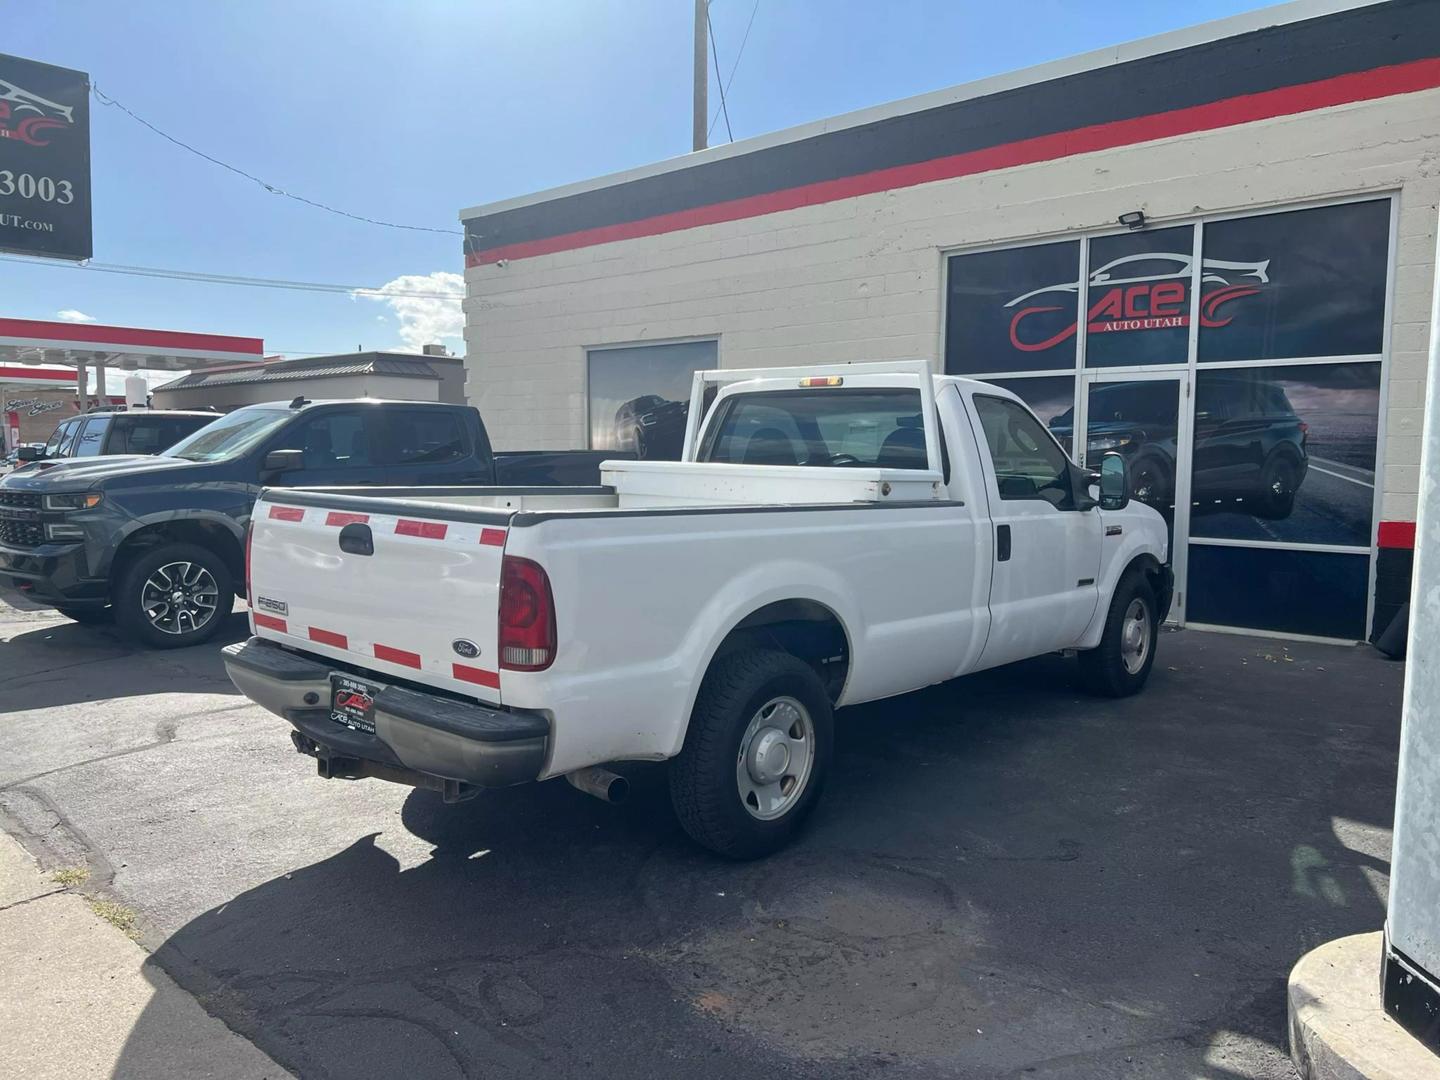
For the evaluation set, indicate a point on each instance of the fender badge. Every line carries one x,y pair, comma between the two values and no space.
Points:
278,607
466,648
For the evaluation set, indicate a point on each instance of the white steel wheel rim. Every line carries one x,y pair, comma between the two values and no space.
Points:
1135,636
777,753
179,597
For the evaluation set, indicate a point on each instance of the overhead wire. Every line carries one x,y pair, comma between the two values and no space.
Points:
274,189
236,279
716,57
725,89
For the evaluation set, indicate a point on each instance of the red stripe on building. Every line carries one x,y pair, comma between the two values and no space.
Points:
1397,534
493,537
329,637
426,530
397,656
478,676
160,340
287,513
337,519
1247,108
270,622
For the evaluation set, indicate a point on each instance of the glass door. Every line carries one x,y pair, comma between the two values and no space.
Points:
1141,416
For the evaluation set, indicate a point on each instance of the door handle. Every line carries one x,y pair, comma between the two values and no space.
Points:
1002,543
356,539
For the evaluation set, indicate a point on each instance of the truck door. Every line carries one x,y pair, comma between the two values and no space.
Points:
1047,550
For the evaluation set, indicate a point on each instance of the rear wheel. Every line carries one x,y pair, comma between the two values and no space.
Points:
755,755
1279,482
174,595
1120,665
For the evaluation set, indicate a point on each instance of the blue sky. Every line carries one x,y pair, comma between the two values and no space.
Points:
408,110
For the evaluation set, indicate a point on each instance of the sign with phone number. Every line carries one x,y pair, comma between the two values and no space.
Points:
44,160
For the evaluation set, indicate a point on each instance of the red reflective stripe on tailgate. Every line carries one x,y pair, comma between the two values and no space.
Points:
287,513
426,530
337,518
494,537
329,637
270,622
397,656
479,676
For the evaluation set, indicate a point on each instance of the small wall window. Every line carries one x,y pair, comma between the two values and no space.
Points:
640,396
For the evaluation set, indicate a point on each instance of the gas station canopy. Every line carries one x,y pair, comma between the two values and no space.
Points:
82,345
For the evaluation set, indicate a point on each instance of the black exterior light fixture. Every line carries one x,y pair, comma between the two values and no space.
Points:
1134,219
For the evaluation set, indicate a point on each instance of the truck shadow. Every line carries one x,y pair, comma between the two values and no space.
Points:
39,667
1005,878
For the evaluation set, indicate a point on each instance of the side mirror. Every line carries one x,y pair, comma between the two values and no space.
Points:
284,461
30,453
1114,482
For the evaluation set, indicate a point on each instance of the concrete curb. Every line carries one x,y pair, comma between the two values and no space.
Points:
78,998
1338,1028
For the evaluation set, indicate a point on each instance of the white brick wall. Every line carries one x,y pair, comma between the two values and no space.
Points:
860,279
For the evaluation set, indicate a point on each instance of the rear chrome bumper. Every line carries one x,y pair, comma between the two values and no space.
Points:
420,739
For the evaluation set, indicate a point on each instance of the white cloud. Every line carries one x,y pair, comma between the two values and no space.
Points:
71,315
432,317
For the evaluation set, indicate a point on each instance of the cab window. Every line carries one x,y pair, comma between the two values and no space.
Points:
62,443
1029,464
92,438
330,440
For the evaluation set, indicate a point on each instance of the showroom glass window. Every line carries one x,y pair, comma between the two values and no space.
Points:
1012,310
639,395
1280,346
1137,299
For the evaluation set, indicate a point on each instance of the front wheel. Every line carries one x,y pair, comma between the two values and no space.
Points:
755,756
1279,484
174,595
1120,665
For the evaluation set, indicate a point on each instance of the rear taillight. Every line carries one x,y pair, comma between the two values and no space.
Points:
249,536
527,616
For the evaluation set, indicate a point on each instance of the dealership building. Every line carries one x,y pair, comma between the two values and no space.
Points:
1211,251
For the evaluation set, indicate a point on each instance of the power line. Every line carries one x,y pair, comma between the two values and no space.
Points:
726,88
106,99
235,279
716,56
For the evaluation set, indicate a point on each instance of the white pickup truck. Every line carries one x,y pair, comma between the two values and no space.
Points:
832,535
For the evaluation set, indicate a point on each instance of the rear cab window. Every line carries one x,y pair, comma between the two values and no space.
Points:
851,428
426,436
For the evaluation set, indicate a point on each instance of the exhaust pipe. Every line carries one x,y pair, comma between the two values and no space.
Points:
602,783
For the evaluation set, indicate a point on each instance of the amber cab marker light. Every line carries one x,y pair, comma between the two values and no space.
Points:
822,380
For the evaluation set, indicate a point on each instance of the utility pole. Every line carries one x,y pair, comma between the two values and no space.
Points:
702,76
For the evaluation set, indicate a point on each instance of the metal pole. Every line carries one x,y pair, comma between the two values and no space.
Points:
1411,971
702,77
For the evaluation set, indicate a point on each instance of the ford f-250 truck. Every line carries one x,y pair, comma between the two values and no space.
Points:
157,541
831,536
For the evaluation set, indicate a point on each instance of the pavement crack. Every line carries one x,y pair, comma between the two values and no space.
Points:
31,899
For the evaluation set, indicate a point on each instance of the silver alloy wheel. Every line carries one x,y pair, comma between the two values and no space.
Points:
1135,636
777,752
179,597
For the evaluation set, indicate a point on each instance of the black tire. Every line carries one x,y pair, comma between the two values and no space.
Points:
704,782
1151,483
129,599
87,616
642,449
1279,482
1104,669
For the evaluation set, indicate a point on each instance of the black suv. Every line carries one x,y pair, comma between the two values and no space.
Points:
103,432
161,539
1250,446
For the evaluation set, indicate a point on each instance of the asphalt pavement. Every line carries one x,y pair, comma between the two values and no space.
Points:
1005,878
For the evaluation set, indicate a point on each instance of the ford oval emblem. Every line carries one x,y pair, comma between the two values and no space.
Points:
466,648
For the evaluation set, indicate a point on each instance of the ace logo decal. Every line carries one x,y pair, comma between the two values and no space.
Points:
1124,300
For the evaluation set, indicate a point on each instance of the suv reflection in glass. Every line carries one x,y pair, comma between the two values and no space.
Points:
651,426
1250,446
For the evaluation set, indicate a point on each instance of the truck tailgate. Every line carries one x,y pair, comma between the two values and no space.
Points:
363,581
